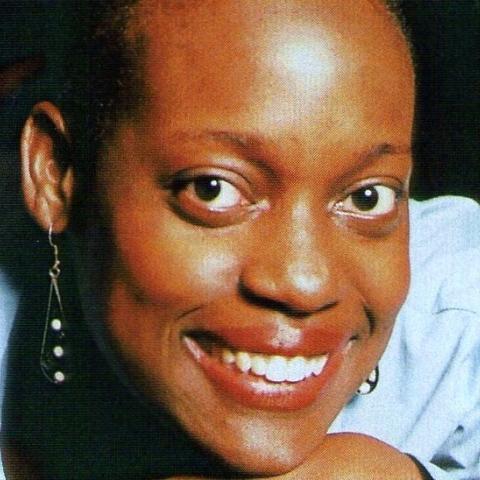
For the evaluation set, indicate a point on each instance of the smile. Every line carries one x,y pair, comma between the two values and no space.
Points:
262,377
275,368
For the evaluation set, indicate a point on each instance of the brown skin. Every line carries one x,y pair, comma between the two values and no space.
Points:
348,456
318,112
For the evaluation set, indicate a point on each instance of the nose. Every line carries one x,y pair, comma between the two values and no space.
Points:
293,269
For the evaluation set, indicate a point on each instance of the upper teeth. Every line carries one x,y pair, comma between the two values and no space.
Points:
276,368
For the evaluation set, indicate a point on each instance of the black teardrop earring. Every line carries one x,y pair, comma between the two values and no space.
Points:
54,350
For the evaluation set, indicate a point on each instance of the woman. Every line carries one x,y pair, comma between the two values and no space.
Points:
239,221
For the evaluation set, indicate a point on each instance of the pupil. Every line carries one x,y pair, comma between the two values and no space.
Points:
207,188
365,199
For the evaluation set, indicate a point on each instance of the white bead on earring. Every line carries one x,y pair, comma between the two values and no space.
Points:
369,385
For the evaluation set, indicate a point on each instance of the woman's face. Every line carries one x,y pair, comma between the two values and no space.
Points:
257,206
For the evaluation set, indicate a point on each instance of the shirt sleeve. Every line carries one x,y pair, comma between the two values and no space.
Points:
457,313
458,458
444,425
427,402
446,257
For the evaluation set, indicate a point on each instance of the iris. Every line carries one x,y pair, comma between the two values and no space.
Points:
365,198
207,188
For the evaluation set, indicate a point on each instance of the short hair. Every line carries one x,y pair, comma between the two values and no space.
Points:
395,7
100,76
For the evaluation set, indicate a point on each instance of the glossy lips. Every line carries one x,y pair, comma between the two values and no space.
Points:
264,377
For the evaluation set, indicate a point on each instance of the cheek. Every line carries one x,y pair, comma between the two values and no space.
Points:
158,257
384,276
167,261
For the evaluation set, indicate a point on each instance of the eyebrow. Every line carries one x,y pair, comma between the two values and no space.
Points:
254,142
388,149
238,141
248,140
378,151
229,139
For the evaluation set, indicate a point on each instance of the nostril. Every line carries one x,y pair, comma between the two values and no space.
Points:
287,308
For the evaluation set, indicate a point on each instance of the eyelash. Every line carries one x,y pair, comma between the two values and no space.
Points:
238,201
372,190
235,203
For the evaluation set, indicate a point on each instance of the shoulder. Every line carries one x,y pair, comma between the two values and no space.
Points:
433,354
443,226
435,347
428,390
440,319
445,255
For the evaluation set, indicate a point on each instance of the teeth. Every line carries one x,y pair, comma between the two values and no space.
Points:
297,369
259,365
317,364
227,356
243,361
275,368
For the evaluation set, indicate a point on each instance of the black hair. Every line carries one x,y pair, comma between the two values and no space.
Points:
101,75
395,7
100,83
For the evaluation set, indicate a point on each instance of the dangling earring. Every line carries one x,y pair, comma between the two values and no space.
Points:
52,356
369,385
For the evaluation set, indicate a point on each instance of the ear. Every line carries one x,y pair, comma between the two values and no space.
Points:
47,176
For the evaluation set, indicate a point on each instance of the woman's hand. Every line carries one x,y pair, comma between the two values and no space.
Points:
351,456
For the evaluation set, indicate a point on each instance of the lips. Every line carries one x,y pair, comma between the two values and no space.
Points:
268,368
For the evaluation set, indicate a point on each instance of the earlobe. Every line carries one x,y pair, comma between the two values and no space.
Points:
47,175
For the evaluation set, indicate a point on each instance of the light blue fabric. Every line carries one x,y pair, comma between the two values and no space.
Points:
427,402
8,305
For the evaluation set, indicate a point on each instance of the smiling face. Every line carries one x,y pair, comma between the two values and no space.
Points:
257,207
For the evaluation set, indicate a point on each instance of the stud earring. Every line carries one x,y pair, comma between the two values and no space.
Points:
369,385
53,352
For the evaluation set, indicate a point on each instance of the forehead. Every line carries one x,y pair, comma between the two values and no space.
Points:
220,57
196,24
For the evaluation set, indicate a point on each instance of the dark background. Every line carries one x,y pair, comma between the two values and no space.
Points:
446,39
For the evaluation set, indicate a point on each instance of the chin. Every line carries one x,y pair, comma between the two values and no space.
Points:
273,462
258,448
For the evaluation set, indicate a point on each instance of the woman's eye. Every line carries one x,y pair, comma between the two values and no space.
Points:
211,200
372,200
216,193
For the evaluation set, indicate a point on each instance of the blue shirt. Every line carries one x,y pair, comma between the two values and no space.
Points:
427,402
